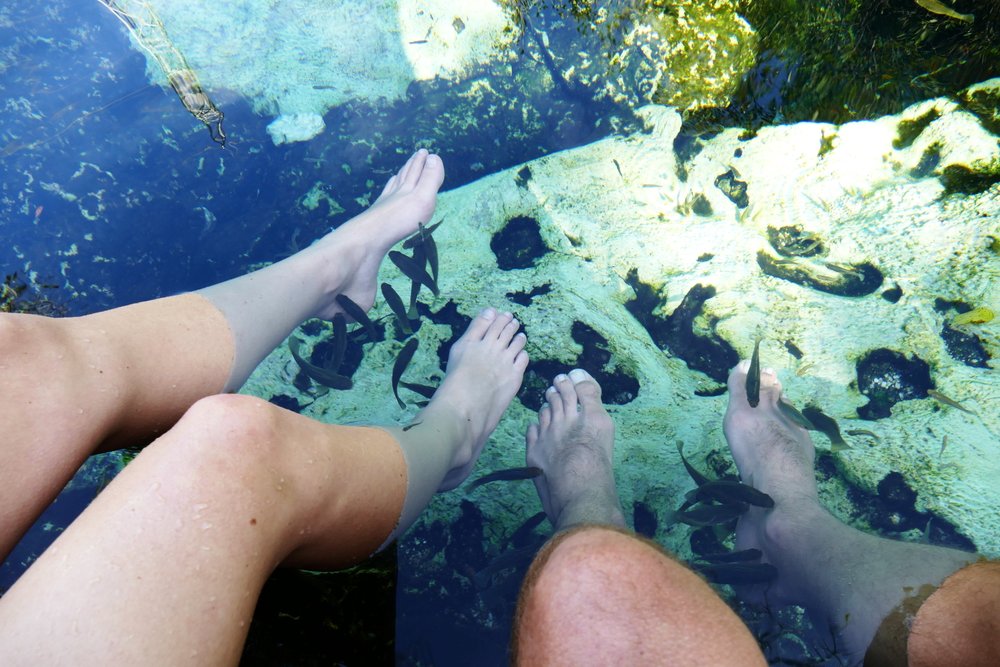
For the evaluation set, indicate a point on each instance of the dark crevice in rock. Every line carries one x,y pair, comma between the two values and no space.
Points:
840,279
701,206
525,298
522,176
965,347
709,354
618,387
960,179
733,188
448,315
887,377
908,130
893,294
929,161
519,244
985,105
793,241
686,147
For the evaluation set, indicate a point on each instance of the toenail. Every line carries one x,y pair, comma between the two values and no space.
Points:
561,378
550,389
578,375
488,313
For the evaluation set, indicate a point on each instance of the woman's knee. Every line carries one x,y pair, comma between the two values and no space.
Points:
240,429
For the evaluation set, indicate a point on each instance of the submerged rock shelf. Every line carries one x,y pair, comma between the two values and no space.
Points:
624,247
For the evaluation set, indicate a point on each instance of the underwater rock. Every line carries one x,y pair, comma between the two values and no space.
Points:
887,377
295,127
893,294
840,279
909,129
961,179
519,245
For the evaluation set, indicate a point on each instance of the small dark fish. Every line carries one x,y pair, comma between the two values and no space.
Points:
708,515
323,86
734,556
409,426
941,398
413,271
520,537
319,375
508,475
827,426
398,368
698,478
430,249
424,390
397,308
619,168
730,491
861,431
738,573
753,376
644,519
418,41
794,415
412,313
421,235
793,349
944,444
358,314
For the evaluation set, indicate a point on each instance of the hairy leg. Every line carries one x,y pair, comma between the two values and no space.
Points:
849,581
166,564
597,594
79,385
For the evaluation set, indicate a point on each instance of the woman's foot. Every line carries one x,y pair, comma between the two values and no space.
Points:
485,369
573,443
350,256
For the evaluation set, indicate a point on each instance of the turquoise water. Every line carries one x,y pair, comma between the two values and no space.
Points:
113,192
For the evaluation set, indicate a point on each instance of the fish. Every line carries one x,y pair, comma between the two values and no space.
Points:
793,414
698,478
322,376
941,398
430,249
505,561
506,475
737,573
398,368
793,349
734,556
936,7
827,426
420,236
708,515
980,315
730,491
418,41
357,314
411,425
520,537
424,390
753,376
861,431
397,308
413,271
944,443
619,168
412,313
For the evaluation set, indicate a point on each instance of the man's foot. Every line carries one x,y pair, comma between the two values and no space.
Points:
847,580
485,369
351,254
573,443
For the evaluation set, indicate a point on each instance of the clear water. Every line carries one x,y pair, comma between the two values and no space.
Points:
111,193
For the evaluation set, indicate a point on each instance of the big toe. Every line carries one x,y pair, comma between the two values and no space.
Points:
588,391
431,175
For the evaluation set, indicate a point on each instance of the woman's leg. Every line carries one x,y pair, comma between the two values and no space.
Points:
70,387
166,565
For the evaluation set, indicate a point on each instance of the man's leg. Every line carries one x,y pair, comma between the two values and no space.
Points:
597,594
165,566
847,580
70,387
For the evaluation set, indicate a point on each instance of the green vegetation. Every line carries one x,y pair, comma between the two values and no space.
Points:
18,296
